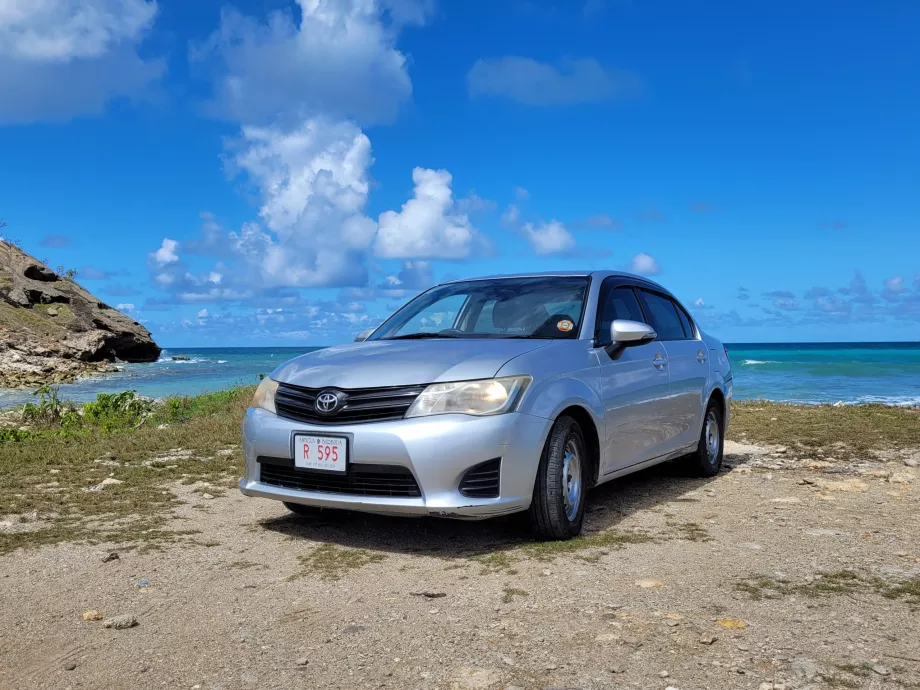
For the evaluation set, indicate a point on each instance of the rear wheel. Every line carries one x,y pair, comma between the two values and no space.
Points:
557,510
706,461
302,510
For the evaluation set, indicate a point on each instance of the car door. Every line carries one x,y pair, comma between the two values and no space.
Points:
688,363
635,385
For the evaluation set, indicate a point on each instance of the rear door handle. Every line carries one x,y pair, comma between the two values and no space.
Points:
660,362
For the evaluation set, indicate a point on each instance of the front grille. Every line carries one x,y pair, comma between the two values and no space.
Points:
358,480
482,481
360,404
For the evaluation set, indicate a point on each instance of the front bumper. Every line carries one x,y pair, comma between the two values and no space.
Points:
437,450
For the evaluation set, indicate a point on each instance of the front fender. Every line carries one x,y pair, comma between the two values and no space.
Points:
548,398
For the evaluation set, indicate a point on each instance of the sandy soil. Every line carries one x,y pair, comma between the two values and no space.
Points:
694,584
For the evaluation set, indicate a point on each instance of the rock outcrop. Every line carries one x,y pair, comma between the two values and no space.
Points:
52,330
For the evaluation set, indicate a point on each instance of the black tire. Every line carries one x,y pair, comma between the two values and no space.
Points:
704,462
552,517
302,510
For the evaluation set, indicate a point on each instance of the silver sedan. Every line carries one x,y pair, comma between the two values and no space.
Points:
492,396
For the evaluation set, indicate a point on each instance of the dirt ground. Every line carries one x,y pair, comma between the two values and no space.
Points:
779,573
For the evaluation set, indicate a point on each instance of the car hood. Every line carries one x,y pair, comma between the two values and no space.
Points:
380,363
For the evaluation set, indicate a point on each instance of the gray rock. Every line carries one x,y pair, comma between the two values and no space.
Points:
302,661
881,670
56,330
120,622
805,669
69,666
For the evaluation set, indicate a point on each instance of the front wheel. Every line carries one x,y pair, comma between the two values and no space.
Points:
706,461
557,510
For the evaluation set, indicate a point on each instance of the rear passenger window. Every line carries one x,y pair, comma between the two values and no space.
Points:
621,303
685,322
662,313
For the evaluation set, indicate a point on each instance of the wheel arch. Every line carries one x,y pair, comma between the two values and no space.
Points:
716,395
592,439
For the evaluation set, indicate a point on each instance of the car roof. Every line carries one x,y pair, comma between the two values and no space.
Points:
549,274
598,274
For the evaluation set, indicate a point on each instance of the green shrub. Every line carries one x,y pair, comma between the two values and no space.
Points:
49,410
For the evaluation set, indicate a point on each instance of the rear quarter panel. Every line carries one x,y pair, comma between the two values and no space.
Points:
720,373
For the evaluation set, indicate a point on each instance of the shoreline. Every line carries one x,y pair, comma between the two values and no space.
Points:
791,373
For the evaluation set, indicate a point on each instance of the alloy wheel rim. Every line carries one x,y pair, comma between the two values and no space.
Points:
712,437
571,480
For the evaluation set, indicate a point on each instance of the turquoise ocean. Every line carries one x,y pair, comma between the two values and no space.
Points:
849,373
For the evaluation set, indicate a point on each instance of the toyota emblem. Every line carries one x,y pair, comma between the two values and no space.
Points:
327,402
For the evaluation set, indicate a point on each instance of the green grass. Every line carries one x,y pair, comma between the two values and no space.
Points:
588,548
509,593
831,583
864,669
137,509
691,531
331,562
845,432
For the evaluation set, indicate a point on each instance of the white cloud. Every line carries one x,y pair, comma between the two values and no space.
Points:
521,194
645,264
61,30
203,314
512,215
895,285
428,226
340,61
166,254
313,181
414,276
126,306
475,204
537,83
63,58
548,238
699,303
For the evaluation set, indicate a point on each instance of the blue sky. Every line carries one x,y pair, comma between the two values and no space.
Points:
271,172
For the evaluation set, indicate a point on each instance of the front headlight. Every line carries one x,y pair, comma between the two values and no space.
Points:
485,397
264,398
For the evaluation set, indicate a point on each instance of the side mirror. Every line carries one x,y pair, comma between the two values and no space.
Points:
623,332
364,335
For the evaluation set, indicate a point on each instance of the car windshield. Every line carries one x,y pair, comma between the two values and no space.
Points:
538,307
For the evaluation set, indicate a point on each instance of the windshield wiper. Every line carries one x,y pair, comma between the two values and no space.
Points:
420,336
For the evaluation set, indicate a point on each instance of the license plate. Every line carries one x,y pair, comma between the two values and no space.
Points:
327,453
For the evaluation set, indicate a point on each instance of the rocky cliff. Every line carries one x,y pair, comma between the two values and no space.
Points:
52,330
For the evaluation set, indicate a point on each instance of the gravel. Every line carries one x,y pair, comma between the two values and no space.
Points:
246,596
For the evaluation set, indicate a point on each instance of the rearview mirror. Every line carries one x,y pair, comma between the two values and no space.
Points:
623,332
364,335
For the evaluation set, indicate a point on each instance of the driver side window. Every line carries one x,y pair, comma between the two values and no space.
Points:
621,303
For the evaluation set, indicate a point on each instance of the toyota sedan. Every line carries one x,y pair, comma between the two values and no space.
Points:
494,396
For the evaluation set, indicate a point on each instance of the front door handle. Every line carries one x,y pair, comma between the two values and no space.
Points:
701,357
660,362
